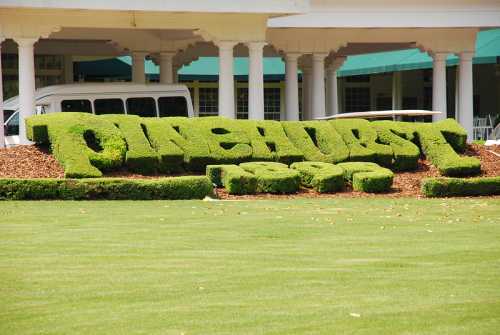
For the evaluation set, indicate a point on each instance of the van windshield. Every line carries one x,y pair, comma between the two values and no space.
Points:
11,126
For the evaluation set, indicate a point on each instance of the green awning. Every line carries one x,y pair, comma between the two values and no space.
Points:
487,51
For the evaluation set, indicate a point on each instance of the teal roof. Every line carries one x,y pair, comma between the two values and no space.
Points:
487,51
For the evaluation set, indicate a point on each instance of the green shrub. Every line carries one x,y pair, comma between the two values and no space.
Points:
227,142
233,178
406,154
273,177
453,132
189,187
448,187
84,144
140,156
323,177
441,154
317,140
173,149
269,142
361,139
367,177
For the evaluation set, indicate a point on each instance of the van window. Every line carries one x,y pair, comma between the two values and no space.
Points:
145,107
108,106
173,106
82,106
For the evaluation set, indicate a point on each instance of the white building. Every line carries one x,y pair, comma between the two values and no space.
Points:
312,35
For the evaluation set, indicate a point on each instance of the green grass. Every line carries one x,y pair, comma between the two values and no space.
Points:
341,266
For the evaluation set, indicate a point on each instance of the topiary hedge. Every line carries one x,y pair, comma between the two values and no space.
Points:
323,177
441,153
140,156
448,187
273,177
189,187
317,140
233,178
367,177
269,142
86,144
394,134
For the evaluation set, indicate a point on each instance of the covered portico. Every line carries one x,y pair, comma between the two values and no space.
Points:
175,34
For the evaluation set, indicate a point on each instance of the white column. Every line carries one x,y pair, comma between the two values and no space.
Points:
466,98
2,135
332,95
166,67
397,90
226,79
318,103
291,87
138,74
175,73
439,85
255,80
68,69
26,83
306,92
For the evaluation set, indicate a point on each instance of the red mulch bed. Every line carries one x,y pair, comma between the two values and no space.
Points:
29,161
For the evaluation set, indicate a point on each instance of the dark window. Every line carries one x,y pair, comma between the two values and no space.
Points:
144,107
209,101
12,126
242,103
358,79
108,106
82,106
272,104
172,106
384,103
410,103
357,99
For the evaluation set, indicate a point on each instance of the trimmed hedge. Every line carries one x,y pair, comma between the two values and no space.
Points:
140,156
167,137
394,134
273,177
453,132
189,187
227,142
233,178
448,187
317,140
361,139
441,153
367,177
84,144
323,177
269,142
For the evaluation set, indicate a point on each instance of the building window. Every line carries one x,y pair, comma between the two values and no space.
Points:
242,103
410,103
209,101
357,99
358,79
144,107
108,106
81,106
384,103
172,106
272,104
428,98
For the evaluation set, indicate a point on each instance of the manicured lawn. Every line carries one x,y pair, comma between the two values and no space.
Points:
342,266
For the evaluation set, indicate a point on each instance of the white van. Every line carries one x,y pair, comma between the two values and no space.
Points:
152,100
